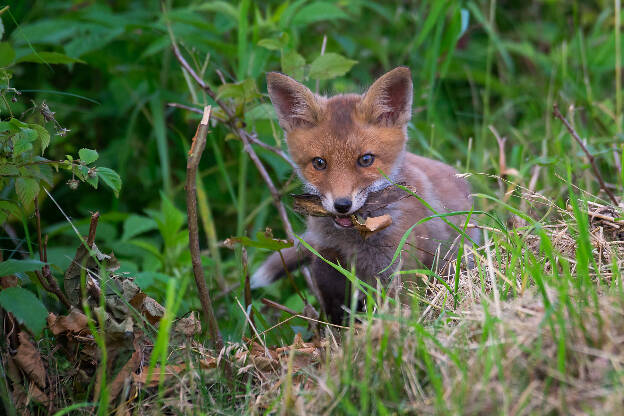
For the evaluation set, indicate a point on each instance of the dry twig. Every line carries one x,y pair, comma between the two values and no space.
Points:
590,157
197,148
44,276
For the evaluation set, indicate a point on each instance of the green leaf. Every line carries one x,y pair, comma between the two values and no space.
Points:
7,54
318,11
49,58
261,112
13,266
220,7
17,125
44,136
135,225
26,307
244,91
96,38
110,178
330,65
27,189
93,181
263,240
8,170
275,44
172,217
293,64
87,155
22,141
8,209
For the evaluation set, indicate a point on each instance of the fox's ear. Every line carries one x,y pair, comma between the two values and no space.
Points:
294,103
389,100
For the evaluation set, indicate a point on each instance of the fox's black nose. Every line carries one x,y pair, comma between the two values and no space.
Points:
342,205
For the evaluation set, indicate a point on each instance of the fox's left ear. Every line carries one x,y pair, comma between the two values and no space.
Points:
389,100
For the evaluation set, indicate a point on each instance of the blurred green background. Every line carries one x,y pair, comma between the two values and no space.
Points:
475,64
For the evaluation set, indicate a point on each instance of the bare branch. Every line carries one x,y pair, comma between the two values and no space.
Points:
44,275
590,157
197,148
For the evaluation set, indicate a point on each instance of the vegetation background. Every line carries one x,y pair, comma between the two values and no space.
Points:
482,70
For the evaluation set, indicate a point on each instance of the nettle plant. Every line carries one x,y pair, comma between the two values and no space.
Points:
24,139
25,173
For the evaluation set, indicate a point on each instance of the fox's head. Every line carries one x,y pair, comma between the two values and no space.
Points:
341,143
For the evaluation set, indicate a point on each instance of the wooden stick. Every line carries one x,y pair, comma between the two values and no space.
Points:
44,275
590,157
197,148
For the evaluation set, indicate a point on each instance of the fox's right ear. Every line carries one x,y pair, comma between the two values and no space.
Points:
294,103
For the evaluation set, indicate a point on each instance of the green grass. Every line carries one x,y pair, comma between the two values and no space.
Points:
534,328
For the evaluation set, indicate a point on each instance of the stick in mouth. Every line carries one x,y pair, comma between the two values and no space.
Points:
310,205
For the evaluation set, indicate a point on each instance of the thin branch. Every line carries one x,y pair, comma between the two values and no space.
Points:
590,157
44,275
252,137
92,228
197,148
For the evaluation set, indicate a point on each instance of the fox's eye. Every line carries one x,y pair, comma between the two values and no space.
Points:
366,160
319,163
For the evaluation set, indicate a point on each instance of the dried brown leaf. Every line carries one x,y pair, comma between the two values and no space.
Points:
29,360
74,322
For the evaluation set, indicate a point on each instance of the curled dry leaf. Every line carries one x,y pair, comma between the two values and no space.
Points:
29,360
188,326
371,225
74,322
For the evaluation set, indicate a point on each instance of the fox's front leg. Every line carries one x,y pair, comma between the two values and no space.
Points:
273,267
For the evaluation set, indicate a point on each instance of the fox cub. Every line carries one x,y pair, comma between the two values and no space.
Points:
340,144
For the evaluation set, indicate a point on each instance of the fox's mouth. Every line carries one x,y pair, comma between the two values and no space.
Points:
344,222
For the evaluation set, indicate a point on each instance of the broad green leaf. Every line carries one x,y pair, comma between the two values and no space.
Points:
87,155
7,210
318,11
244,91
41,172
96,38
49,58
27,189
8,170
22,141
6,126
262,241
17,125
7,54
93,181
330,65
270,44
13,266
261,112
172,217
44,136
110,178
137,224
26,307
293,64
275,44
